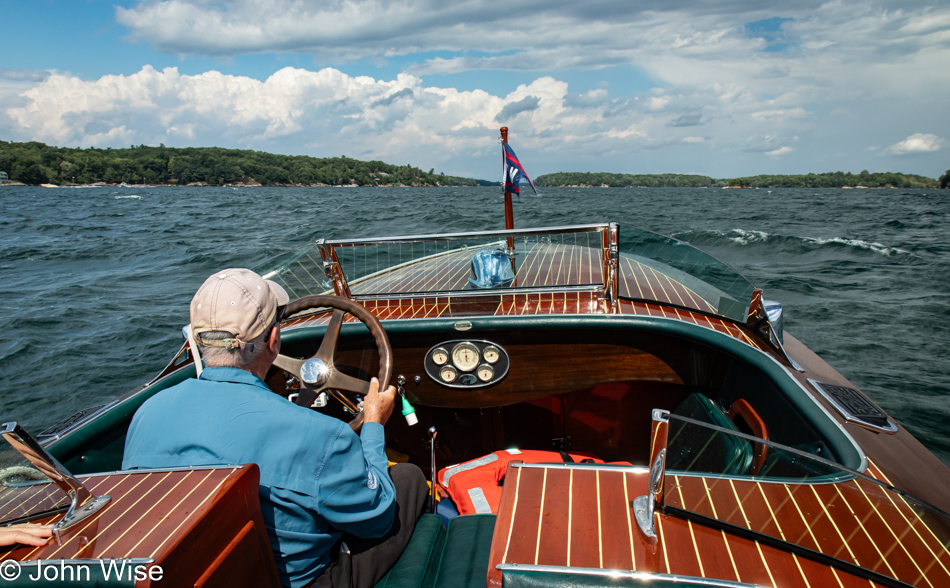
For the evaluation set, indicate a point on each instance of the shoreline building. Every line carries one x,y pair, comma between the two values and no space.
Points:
3,177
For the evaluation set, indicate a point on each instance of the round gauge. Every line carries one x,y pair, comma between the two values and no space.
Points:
491,354
485,372
440,356
465,356
448,374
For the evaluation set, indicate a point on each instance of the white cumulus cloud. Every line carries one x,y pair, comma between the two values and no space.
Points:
917,143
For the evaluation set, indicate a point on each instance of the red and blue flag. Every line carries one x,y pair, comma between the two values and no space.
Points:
514,171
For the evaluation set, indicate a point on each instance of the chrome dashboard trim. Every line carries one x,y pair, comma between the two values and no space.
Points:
433,370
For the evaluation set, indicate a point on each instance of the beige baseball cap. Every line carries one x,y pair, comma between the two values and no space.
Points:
236,301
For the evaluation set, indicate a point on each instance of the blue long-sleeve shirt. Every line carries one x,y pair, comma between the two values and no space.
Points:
318,478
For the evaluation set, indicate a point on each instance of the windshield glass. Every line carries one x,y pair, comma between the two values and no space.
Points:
654,267
467,262
25,492
794,496
651,267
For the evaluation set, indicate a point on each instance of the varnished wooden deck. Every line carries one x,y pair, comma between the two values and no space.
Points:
854,521
202,526
579,517
145,518
525,304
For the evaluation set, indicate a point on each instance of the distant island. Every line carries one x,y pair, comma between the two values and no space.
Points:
37,163
824,180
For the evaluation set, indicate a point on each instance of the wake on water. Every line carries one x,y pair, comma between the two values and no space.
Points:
744,238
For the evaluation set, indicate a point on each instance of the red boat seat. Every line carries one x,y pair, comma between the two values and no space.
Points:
475,486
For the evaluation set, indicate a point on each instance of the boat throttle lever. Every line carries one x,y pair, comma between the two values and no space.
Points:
432,435
408,411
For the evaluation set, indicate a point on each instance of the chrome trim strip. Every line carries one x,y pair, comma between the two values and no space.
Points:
456,236
612,573
605,467
847,414
162,470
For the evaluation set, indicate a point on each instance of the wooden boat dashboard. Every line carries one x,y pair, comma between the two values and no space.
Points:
201,526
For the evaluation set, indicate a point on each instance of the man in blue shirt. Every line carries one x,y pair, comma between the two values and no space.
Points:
320,482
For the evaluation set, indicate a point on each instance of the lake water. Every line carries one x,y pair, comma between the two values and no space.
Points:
95,282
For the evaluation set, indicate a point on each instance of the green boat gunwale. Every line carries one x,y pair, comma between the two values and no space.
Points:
73,447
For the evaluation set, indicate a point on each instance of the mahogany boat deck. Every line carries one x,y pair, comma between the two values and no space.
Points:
566,516
162,516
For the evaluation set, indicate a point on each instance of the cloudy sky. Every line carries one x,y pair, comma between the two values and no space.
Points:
718,87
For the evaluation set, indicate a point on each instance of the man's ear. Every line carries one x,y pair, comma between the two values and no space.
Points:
273,342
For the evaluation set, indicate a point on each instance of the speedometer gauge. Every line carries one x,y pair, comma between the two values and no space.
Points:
465,356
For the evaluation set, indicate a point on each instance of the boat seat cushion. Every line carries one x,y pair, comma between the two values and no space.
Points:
691,448
418,564
464,562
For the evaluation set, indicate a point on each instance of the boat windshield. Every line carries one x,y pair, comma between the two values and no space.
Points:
25,492
558,258
793,496
650,267
654,267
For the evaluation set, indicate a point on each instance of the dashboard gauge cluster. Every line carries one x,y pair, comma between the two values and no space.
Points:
466,363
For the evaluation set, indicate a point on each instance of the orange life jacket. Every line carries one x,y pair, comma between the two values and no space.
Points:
475,486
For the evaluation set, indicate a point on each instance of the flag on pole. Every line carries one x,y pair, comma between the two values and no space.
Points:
514,171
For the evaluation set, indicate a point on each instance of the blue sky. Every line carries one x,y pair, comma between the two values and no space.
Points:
724,88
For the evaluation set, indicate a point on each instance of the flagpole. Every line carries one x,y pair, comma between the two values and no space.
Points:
509,208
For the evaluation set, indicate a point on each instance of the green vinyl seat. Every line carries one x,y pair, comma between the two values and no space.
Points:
418,564
464,562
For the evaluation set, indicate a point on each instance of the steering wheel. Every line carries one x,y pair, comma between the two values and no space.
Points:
319,373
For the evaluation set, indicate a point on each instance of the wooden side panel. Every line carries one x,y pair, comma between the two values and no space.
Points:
183,520
243,562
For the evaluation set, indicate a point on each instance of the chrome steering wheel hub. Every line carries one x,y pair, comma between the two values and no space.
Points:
315,372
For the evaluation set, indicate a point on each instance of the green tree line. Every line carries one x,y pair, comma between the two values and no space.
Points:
598,179
37,163
824,180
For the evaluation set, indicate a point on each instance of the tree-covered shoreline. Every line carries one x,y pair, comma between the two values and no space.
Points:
38,163
839,179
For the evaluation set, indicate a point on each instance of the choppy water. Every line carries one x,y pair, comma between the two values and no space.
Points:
95,282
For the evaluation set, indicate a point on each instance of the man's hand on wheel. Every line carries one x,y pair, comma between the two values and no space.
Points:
378,406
